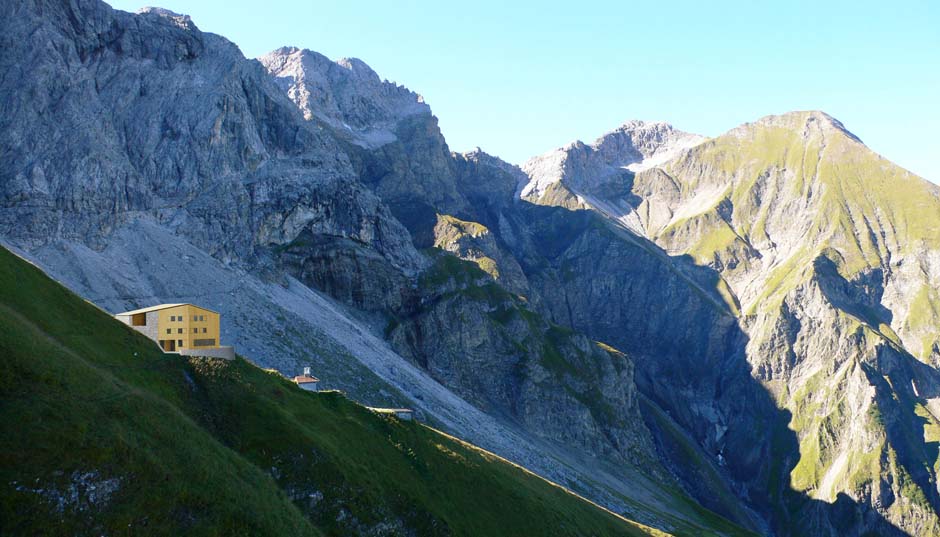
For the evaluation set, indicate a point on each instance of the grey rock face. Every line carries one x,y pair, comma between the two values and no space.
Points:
474,242
507,360
120,114
600,169
394,142
347,93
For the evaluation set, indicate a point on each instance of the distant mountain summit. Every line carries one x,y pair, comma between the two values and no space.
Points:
807,122
346,93
581,168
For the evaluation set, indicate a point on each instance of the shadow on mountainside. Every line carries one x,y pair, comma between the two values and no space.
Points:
689,350
860,297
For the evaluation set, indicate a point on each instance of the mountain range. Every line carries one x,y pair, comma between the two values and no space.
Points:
725,336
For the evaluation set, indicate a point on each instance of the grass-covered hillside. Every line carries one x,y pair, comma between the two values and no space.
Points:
103,434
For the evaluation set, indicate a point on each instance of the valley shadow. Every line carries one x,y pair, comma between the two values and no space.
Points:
669,314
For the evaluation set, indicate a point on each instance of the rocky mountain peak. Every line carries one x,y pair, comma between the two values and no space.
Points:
638,145
634,146
183,21
638,127
347,93
161,11
807,122
482,158
359,69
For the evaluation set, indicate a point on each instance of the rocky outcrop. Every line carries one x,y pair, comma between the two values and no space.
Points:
507,360
346,93
474,242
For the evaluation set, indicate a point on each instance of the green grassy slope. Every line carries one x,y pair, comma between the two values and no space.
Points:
800,173
103,434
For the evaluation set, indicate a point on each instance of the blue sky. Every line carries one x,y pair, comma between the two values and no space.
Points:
522,79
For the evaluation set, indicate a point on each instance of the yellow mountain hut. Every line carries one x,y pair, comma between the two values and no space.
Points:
184,329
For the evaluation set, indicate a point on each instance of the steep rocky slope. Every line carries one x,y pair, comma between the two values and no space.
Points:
347,93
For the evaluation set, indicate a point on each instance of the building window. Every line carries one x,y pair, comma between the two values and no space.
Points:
168,330
204,330
195,330
179,330
179,342
204,343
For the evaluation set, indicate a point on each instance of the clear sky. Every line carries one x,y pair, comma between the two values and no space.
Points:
521,79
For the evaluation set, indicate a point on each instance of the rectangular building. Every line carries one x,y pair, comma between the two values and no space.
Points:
176,327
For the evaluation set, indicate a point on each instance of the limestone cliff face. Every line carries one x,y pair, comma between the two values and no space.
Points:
112,114
346,93
391,137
